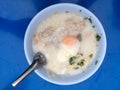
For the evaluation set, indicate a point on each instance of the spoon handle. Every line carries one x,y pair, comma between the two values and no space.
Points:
26,73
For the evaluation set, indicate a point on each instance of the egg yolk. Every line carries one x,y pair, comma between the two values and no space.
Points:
69,40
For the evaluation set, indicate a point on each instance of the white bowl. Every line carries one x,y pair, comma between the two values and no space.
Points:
92,68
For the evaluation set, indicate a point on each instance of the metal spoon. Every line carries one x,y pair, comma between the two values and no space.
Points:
39,60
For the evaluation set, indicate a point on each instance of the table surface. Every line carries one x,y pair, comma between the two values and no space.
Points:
15,16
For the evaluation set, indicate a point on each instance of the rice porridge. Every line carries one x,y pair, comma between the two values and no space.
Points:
68,41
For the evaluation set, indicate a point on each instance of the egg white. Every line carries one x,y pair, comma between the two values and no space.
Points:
65,52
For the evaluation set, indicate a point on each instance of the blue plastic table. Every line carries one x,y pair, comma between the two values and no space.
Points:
15,16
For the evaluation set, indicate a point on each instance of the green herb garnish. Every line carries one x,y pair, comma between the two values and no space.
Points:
72,60
74,57
81,54
98,37
96,62
76,68
90,20
91,55
81,63
93,26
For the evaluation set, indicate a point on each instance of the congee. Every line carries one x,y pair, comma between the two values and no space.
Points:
68,41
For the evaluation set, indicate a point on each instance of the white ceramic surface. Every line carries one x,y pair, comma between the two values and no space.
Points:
92,68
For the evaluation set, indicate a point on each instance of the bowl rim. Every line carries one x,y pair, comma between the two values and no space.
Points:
82,8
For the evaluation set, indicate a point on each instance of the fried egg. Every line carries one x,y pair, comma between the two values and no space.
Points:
69,46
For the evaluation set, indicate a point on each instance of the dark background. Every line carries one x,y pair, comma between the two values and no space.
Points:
15,16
